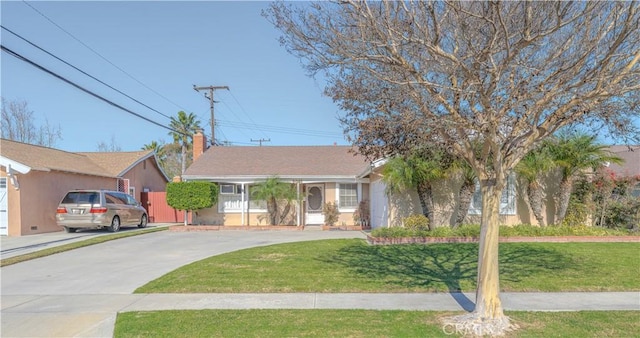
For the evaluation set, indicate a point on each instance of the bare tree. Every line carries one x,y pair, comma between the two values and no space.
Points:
504,74
18,125
112,146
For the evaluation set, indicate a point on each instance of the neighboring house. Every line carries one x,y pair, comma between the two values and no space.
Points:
320,174
33,180
631,165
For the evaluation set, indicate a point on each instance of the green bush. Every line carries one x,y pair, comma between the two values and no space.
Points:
416,222
524,230
192,195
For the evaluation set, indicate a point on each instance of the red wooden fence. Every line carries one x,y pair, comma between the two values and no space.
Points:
158,209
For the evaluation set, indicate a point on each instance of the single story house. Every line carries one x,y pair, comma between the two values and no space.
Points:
335,174
324,174
320,174
33,180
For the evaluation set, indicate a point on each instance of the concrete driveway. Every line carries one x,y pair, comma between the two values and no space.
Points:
78,292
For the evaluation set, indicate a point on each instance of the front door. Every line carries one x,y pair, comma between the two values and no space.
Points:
315,201
4,219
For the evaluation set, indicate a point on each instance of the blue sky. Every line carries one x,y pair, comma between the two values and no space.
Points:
168,47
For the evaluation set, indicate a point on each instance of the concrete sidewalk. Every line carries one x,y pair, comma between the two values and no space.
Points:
95,315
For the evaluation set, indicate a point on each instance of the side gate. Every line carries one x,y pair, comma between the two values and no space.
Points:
158,209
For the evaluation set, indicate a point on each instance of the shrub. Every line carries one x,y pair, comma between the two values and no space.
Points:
416,222
191,195
331,213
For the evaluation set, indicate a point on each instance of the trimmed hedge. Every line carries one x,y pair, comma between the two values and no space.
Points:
192,195
473,231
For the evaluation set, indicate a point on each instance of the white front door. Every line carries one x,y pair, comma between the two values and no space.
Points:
315,202
4,219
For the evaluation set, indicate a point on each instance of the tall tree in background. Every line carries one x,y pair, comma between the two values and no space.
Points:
574,153
185,125
17,124
504,74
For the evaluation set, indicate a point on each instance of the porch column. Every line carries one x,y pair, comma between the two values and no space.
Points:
242,202
298,202
359,192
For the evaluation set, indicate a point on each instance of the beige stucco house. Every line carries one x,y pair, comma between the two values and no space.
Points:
320,174
33,180
332,174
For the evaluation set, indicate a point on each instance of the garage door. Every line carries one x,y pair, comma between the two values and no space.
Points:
4,220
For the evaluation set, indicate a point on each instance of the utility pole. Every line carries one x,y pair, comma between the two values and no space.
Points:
211,102
261,140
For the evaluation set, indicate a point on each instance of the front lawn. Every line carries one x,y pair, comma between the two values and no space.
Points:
335,266
362,323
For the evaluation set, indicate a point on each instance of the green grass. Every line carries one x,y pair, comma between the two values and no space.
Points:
361,323
353,266
76,245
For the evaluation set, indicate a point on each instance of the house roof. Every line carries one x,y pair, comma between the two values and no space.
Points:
24,157
286,162
118,163
631,157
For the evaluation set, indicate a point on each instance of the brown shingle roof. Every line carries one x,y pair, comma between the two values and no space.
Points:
46,159
282,161
108,164
631,166
117,163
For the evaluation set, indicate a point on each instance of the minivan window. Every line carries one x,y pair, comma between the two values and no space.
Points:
82,197
115,198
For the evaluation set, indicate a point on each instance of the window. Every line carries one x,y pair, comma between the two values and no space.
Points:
228,189
348,195
507,200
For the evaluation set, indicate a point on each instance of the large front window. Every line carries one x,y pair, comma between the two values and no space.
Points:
230,200
348,195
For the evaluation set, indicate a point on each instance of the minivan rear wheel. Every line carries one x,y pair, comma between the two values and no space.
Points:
70,230
143,222
115,224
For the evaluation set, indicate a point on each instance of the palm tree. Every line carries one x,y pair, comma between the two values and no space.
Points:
530,169
419,171
574,153
184,127
273,190
465,194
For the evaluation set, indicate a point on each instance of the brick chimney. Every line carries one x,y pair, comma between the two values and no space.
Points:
199,144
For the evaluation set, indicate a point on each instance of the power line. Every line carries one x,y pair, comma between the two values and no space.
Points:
20,57
102,57
243,111
81,71
278,129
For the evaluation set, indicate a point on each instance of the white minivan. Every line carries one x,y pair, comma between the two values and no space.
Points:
94,209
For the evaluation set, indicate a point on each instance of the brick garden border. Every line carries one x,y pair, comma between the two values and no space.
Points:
514,239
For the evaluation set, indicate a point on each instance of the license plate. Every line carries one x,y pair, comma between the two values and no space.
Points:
77,211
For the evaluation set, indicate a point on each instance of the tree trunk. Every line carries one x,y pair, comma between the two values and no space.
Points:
534,194
488,303
272,209
565,194
465,196
426,202
488,317
285,212
183,159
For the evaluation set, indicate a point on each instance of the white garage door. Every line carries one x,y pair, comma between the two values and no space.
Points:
4,220
379,205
